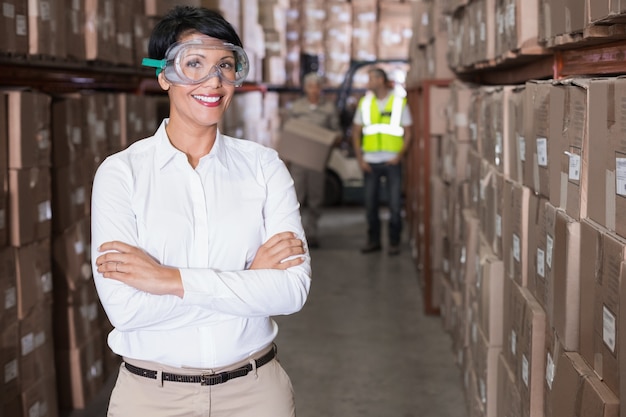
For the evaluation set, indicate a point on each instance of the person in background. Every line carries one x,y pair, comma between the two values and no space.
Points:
314,108
197,243
381,137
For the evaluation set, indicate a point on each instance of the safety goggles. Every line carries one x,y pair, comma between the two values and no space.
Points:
190,62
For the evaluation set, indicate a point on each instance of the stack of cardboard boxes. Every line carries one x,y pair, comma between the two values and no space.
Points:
529,248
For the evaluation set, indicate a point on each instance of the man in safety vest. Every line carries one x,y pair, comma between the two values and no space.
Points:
381,136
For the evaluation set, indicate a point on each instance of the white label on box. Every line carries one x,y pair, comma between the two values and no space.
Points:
33,410
574,166
549,370
44,9
608,328
517,251
46,282
28,344
463,255
10,371
366,17
510,16
513,342
549,247
525,370
483,391
521,148
473,132
78,196
40,339
8,10
541,262
21,25
45,211
77,135
79,247
460,119
542,152
620,176
10,298
498,226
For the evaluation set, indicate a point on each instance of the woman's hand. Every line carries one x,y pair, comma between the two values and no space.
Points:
274,253
134,267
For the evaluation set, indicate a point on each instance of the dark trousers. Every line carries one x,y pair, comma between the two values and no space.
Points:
372,182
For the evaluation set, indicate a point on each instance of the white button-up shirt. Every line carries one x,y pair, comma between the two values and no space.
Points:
208,222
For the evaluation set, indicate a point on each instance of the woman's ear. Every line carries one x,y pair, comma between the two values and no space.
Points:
165,85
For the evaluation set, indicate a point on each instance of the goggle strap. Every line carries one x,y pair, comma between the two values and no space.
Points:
159,64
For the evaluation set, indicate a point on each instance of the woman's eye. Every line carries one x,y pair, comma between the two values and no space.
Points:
227,66
193,64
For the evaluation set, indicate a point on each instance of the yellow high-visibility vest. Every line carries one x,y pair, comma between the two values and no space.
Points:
382,131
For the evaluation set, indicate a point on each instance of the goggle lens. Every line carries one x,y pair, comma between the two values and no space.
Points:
196,67
194,61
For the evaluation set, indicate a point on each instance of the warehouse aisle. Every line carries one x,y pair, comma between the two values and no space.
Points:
362,345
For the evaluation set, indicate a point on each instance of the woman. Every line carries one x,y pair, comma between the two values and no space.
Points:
197,242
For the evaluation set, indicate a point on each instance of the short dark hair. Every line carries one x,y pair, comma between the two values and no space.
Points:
379,72
184,19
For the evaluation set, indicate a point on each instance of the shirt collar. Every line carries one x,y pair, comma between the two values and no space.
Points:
166,151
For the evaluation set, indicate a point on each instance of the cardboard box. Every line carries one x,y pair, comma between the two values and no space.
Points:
83,368
395,29
8,287
601,297
76,316
40,399
579,391
568,131
36,346
29,129
438,102
531,357
9,357
74,27
509,399
540,280
490,300
69,195
31,205
566,280
519,204
535,164
514,140
306,144
34,277
71,257
68,125
607,154
46,34
14,27
553,354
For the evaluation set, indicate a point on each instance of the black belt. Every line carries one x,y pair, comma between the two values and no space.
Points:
205,379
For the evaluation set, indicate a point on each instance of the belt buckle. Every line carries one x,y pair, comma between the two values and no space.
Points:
205,379
214,379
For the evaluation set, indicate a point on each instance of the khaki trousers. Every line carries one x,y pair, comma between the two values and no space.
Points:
264,392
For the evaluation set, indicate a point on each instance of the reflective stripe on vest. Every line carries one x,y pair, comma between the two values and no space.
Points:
382,132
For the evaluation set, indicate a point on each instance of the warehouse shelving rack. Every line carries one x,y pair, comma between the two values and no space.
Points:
597,59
